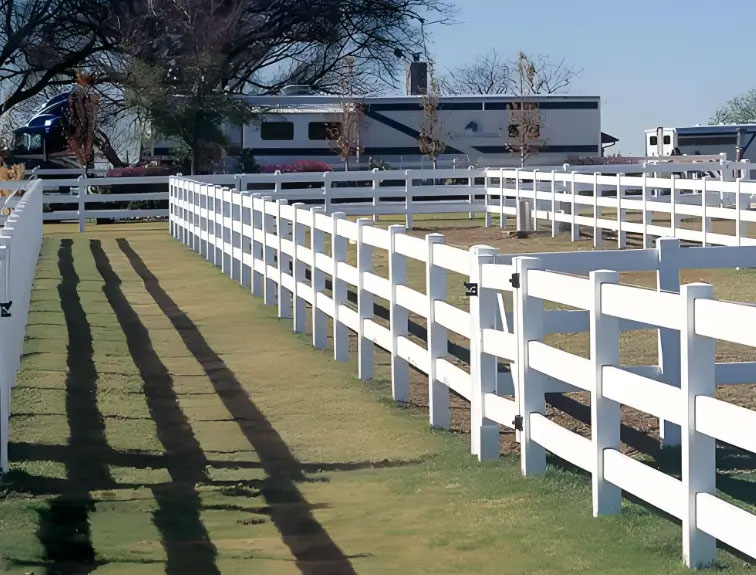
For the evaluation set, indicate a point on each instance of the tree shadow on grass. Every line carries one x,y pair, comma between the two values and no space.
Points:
177,517
308,541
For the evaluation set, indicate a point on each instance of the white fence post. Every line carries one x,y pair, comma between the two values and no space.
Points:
698,450
399,318
269,284
435,288
338,255
376,192
738,214
529,315
327,186
597,235
81,198
408,196
365,349
502,201
534,215
258,247
621,235
284,232
553,204
574,227
605,413
644,200
300,305
317,246
705,222
668,279
484,433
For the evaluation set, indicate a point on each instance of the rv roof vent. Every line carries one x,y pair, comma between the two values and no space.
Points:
297,90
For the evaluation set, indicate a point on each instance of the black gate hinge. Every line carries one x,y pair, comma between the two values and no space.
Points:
517,422
515,281
5,309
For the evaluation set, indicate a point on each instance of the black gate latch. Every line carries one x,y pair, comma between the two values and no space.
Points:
471,289
515,281
517,422
5,309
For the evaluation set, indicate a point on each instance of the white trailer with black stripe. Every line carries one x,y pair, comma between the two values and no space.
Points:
477,130
734,140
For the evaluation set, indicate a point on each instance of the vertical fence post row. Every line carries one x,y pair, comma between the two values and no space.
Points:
675,220
471,191
284,232
487,201
6,370
365,349
698,450
435,288
534,215
668,279
605,413
212,225
300,305
484,433
269,287
317,246
529,316
339,290
398,319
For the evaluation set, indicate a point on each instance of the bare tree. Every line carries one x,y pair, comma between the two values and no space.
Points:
431,140
488,74
346,133
42,42
739,110
524,130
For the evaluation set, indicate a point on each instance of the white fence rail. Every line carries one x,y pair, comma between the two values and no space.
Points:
20,242
279,251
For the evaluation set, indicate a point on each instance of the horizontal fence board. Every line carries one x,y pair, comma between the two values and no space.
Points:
561,441
452,318
376,333
637,304
659,489
728,523
727,321
647,395
412,300
572,369
499,409
452,259
349,317
499,344
727,422
569,290
412,247
413,353
454,378
377,285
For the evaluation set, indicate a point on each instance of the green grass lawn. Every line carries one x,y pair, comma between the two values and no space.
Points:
166,422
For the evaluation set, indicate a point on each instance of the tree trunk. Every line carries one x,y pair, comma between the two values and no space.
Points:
103,142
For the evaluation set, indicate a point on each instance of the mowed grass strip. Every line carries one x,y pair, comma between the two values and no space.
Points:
285,464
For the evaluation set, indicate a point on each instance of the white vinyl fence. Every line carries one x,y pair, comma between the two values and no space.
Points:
20,242
279,251
563,199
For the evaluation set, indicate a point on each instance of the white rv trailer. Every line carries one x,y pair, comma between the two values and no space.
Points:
290,128
735,140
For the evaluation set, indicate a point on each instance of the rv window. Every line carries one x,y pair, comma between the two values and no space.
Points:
277,131
324,130
533,131
667,140
653,141
514,130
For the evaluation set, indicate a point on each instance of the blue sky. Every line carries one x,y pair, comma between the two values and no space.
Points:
654,63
